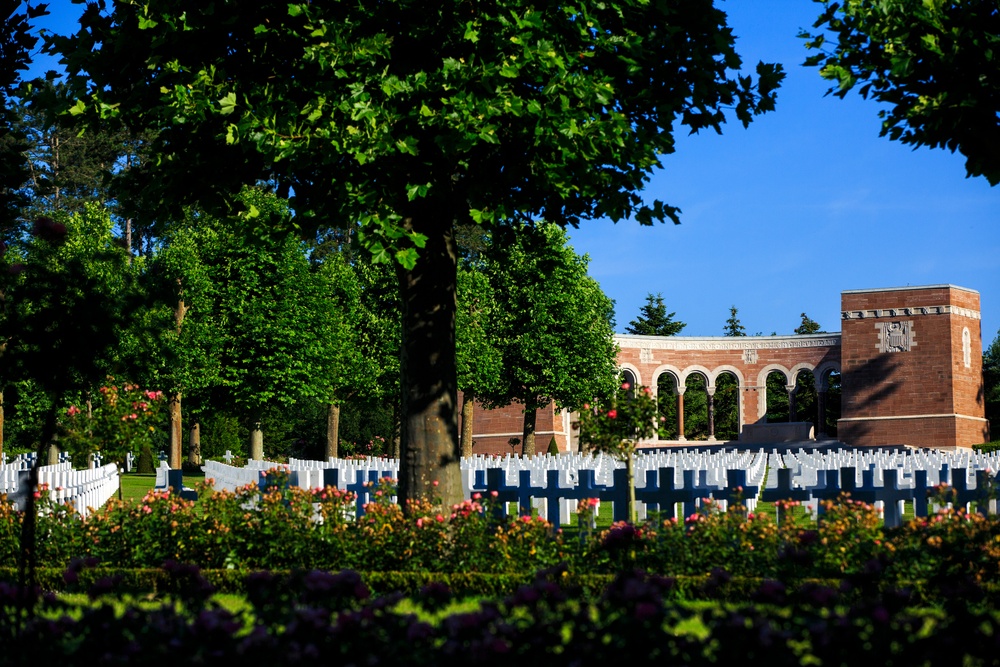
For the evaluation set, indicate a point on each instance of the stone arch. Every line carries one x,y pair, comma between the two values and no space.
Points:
762,387
660,370
793,373
698,368
822,374
726,368
636,375
828,399
727,402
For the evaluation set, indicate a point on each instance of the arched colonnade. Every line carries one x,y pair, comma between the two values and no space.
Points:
802,363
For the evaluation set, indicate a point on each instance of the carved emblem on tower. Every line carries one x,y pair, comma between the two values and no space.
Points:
750,356
646,355
895,336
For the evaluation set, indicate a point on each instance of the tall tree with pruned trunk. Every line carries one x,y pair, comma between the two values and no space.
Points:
408,119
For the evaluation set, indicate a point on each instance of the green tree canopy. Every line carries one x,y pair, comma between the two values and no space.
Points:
553,325
654,320
808,326
991,385
733,325
16,45
405,118
262,325
935,64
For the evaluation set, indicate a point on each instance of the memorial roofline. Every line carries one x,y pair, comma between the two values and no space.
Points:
909,288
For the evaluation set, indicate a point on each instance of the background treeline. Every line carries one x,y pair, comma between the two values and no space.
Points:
244,329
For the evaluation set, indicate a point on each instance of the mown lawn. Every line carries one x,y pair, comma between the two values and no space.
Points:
135,486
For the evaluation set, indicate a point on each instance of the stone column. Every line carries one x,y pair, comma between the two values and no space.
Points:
711,414
821,414
656,417
680,414
792,412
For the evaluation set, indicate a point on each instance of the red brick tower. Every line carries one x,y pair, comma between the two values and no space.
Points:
912,367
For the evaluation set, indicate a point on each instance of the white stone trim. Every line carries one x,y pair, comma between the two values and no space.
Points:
822,372
761,387
793,372
698,368
739,343
953,415
733,370
633,370
910,311
908,288
660,370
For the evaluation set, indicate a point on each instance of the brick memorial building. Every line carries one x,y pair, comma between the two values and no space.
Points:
909,361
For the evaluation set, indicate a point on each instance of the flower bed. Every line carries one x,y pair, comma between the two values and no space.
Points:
284,529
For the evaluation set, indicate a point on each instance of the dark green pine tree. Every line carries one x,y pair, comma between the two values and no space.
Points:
733,325
808,326
654,320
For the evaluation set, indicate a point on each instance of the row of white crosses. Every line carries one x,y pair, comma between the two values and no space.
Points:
86,490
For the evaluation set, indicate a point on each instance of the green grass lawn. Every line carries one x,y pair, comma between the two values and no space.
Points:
135,486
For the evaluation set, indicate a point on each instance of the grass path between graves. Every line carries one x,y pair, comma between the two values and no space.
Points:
135,486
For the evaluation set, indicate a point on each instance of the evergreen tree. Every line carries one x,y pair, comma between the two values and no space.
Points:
733,325
654,320
808,326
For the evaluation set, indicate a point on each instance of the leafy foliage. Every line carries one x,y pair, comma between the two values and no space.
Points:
405,120
808,326
931,63
16,45
553,325
991,384
122,422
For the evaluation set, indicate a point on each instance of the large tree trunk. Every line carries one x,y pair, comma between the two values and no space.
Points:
257,443
468,406
332,430
429,425
174,458
528,433
194,445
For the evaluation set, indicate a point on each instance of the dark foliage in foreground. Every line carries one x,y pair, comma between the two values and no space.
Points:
313,617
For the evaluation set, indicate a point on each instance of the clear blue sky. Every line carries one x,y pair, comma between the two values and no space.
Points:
781,217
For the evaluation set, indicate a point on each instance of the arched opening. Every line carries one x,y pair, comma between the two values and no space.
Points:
803,405
727,406
776,386
696,407
666,395
828,404
627,376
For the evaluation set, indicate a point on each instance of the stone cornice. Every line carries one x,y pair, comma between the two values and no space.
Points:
909,311
737,343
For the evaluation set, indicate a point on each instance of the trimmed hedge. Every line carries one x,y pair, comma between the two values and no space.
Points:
717,586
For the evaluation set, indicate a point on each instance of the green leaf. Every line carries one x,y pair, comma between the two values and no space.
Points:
227,104
471,33
407,258
77,108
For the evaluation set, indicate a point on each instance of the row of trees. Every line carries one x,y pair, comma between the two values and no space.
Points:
654,320
515,112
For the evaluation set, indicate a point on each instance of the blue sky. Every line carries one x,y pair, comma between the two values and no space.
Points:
781,217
